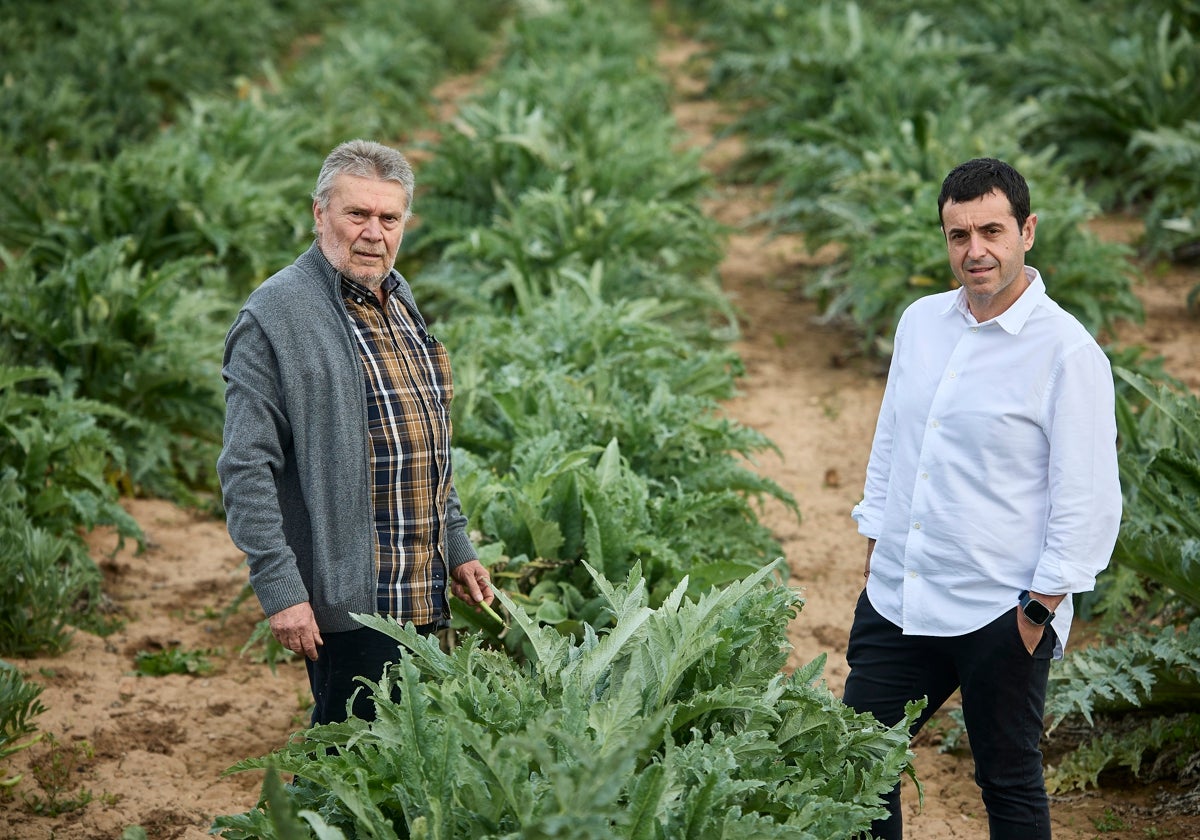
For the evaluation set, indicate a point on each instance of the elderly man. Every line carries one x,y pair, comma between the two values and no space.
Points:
336,470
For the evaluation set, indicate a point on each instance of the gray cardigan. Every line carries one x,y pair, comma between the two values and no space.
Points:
294,468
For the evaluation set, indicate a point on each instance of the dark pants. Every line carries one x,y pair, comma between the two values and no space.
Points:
340,661
1003,698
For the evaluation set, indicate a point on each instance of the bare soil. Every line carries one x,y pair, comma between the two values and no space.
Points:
151,751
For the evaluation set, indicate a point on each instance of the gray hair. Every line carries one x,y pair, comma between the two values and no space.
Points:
365,159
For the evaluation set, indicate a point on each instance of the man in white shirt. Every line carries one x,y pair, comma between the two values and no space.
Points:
991,495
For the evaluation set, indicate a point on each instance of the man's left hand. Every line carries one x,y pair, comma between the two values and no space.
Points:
1031,634
471,583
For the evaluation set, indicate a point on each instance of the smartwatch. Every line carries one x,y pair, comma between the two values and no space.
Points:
1035,611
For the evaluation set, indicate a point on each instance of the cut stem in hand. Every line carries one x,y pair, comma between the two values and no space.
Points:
495,615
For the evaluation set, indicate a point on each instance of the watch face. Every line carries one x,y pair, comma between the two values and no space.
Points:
1036,612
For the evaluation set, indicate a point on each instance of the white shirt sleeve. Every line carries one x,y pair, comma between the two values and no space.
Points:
1084,484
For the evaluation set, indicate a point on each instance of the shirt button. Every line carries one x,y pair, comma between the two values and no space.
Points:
912,574
934,424
925,476
974,329
953,375
916,526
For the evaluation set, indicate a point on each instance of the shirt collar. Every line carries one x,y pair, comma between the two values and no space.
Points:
359,290
1013,319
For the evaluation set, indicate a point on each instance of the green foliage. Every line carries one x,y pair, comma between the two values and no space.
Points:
19,705
1173,741
652,729
221,188
55,458
1169,168
1154,669
857,117
637,242
830,68
1006,26
555,508
154,233
1094,87
57,467
84,79
376,79
146,342
567,167
580,30
390,83
1159,426
173,660
42,578
1091,279
566,256
1091,82
589,430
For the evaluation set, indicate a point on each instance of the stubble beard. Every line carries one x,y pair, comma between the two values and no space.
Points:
342,263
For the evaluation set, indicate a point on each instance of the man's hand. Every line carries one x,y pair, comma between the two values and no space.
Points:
870,551
296,629
1032,633
470,582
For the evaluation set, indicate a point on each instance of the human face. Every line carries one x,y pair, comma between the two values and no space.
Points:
360,231
987,251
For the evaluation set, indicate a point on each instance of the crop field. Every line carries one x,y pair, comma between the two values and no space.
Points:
666,244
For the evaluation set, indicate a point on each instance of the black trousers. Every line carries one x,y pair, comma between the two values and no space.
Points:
340,661
1003,700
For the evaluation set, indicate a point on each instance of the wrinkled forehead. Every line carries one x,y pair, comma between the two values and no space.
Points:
369,194
992,208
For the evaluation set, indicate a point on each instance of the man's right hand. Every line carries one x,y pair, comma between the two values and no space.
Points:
296,629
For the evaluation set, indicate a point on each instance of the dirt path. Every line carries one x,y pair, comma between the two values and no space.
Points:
151,751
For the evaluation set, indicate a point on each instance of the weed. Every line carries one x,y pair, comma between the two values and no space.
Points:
1109,822
173,661
54,769
304,706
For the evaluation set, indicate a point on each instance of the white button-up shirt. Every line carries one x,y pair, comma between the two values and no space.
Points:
994,465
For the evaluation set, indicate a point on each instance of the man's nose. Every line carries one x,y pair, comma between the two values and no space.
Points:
373,229
975,246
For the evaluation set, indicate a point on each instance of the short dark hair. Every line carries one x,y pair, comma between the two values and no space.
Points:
976,178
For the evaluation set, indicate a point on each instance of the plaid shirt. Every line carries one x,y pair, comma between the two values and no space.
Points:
409,389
